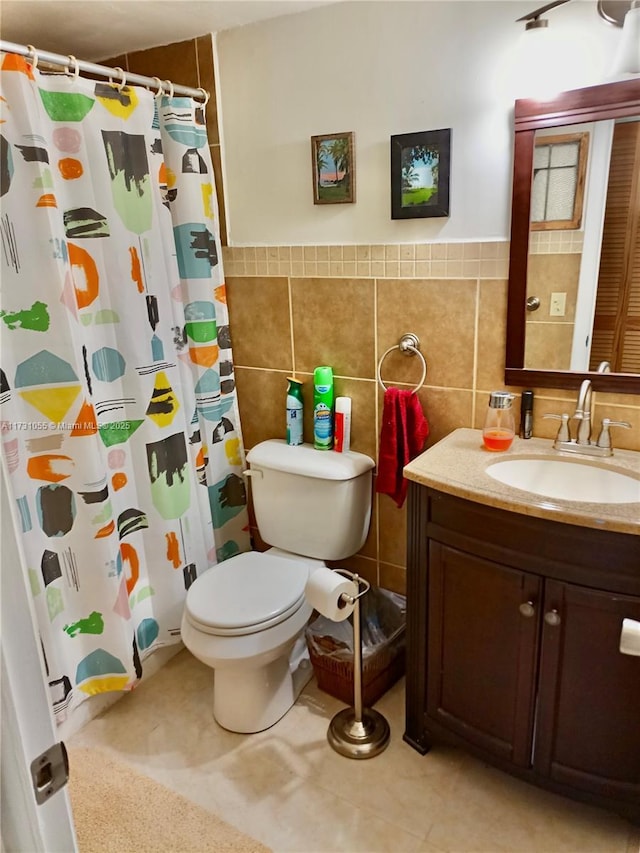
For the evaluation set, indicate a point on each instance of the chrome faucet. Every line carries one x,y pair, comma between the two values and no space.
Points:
583,412
584,407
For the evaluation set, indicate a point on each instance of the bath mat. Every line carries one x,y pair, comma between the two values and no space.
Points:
118,810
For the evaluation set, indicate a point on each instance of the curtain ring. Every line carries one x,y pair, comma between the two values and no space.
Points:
205,95
159,90
33,56
169,86
76,69
123,82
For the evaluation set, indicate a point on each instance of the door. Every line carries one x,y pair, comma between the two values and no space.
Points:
588,732
27,720
483,635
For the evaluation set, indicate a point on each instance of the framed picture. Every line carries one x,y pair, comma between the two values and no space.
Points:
334,168
420,174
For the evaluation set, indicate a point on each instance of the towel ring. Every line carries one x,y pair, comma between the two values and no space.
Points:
409,344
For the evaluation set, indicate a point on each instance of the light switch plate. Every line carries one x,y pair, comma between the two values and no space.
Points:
558,305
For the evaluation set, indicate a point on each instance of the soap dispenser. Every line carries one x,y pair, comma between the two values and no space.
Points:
499,426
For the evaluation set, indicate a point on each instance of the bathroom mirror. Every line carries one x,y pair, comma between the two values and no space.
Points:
554,263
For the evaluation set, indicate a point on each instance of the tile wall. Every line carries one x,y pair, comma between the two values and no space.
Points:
292,308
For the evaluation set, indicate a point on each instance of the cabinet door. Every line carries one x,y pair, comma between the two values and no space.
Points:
483,627
588,731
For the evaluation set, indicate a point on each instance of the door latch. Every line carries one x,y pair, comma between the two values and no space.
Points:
50,772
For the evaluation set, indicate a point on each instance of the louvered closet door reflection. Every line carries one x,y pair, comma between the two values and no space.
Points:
616,332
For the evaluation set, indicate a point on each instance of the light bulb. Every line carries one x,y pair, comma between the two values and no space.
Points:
627,60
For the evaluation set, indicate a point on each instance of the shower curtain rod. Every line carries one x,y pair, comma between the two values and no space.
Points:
99,70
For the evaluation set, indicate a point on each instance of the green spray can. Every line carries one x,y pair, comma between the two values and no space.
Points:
294,411
323,408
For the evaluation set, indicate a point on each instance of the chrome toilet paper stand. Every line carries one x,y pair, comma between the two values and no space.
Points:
357,732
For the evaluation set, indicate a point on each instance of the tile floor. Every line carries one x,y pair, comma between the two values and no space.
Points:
287,788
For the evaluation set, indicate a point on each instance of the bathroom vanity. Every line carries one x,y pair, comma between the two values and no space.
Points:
515,608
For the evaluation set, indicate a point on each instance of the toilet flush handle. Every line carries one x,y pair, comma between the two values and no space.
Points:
252,472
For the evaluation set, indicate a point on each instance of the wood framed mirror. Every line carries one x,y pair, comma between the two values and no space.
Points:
600,111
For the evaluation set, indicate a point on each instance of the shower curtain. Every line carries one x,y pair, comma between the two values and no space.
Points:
120,431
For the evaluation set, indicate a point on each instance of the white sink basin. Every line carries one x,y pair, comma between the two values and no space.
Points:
569,480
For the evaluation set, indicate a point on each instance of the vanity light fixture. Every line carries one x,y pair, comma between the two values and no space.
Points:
621,13
533,19
613,11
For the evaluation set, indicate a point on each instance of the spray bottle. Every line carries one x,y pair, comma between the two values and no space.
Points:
294,411
323,408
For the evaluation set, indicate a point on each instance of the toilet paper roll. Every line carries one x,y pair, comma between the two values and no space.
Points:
323,591
630,637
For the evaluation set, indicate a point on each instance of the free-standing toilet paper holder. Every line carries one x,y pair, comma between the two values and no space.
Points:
357,732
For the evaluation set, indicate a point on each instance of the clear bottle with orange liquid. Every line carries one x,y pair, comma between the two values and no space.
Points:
499,425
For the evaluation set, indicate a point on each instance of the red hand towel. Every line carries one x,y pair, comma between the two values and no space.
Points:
402,437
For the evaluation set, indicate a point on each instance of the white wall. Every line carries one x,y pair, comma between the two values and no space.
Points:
378,69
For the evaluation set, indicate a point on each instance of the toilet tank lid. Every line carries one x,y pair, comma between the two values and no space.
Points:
305,460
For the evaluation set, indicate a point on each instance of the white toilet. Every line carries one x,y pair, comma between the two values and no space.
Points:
245,617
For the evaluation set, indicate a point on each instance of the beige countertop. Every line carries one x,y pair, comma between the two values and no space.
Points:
456,465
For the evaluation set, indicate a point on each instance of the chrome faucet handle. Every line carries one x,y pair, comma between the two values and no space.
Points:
604,439
563,431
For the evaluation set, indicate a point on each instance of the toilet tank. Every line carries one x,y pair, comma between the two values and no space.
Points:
316,503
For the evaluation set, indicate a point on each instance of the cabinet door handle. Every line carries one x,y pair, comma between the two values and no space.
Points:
552,617
527,609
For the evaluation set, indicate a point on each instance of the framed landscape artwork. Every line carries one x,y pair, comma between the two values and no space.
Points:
334,168
420,174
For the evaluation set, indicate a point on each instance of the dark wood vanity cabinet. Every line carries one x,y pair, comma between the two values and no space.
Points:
513,633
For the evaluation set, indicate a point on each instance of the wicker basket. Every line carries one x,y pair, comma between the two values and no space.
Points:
381,668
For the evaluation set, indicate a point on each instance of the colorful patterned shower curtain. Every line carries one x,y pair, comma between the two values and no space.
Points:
120,430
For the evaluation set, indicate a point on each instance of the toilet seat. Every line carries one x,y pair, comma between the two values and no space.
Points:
247,593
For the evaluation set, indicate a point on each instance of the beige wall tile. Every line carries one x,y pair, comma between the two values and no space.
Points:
261,399
445,410
548,346
393,577
627,439
442,314
333,323
549,274
370,547
392,525
364,434
259,321
492,330
363,566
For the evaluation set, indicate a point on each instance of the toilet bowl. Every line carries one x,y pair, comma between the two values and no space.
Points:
245,617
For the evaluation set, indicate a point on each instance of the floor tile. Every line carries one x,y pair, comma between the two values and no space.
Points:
287,788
